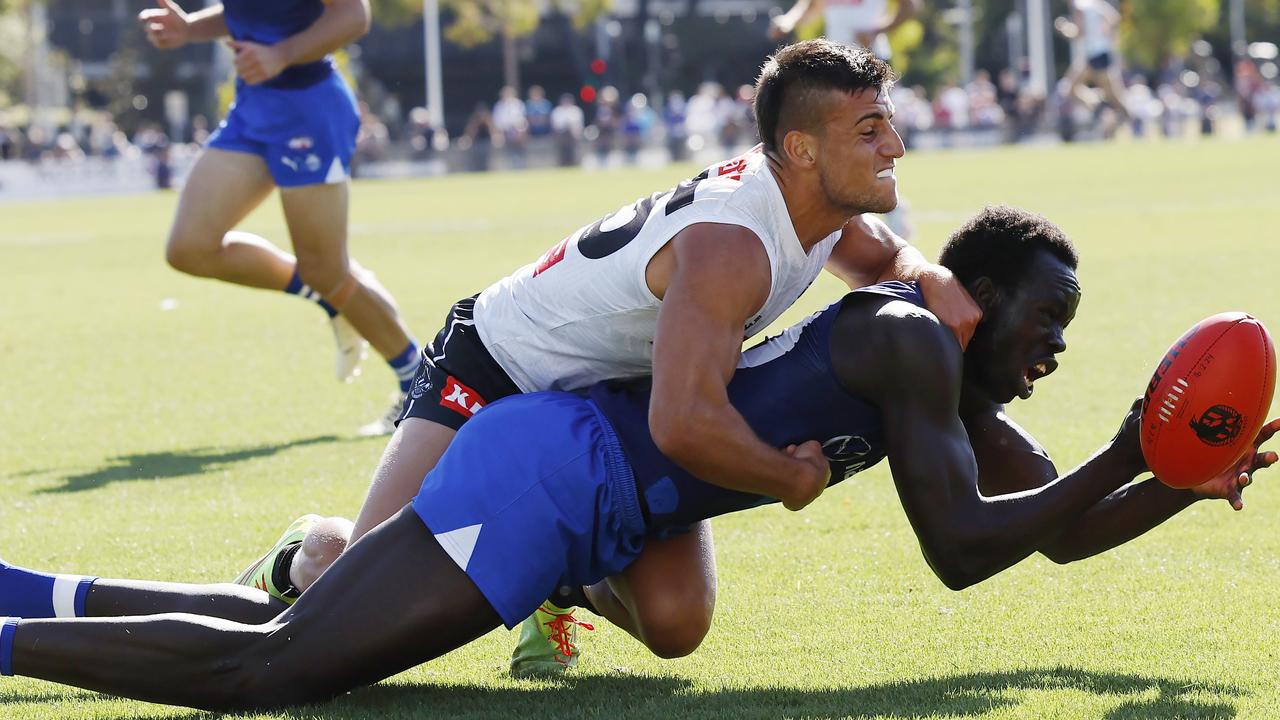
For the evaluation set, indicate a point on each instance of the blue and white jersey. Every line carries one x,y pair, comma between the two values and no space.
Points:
786,389
267,22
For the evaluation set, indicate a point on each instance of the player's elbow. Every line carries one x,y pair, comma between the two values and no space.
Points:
679,432
954,572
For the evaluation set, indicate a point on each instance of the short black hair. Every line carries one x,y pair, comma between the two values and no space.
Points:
796,76
1000,243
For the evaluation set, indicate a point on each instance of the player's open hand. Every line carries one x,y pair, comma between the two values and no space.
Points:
1231,484
1128,440
256,63
814,477
166,25
946,297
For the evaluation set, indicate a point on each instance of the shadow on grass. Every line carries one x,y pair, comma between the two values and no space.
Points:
163,465
621,696
968,695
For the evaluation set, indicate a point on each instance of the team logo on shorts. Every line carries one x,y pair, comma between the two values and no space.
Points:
1219,425
313,162
460,398
421,384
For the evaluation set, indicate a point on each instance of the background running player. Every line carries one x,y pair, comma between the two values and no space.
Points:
670,285
1093,25
579,486
293,126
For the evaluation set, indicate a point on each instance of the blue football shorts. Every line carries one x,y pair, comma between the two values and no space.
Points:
534,493
306,135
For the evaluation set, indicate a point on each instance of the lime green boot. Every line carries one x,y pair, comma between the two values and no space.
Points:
261,574
548,642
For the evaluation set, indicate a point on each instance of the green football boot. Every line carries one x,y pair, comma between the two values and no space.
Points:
264,573
548,642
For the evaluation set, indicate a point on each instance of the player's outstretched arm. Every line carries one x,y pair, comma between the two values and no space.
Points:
869,252
342,22
915,377
1135,509
720,279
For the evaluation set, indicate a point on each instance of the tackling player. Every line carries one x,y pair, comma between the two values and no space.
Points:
669,285
293,126
579,486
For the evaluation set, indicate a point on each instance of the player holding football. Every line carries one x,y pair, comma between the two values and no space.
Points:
669,286
293,126
581,486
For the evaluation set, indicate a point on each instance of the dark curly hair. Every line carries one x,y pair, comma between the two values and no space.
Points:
794,81
1000,242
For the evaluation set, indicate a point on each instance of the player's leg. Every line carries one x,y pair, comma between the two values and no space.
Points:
413,451
667,597
395,600
222,188
1111,82
317,220
32,594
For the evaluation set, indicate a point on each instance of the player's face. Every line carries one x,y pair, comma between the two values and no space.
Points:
1022,332
858,151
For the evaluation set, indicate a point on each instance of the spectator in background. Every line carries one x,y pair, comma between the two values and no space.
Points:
984,105
951,108
424,138
1249,84
373,140
567,122
509,123
673,121
478,138
537,112
8,144
607,123
637,127
700,116
1268,102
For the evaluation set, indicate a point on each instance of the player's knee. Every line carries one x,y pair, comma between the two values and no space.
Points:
324,542
261,677
675,625
324,274
186,256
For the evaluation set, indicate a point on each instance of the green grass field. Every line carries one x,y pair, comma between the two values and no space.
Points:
158,426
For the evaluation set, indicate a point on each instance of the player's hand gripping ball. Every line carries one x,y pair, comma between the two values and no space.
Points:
1207,398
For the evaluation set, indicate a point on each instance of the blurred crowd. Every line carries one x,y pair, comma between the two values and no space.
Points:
604,127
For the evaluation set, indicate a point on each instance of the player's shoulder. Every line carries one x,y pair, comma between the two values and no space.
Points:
884,338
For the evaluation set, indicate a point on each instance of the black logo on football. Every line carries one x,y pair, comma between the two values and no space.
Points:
1219,425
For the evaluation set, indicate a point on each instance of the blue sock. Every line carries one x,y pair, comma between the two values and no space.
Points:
302,290
29,594
405,365
8,626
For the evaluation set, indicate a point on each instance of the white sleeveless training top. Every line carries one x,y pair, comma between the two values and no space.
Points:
584,313
1095,31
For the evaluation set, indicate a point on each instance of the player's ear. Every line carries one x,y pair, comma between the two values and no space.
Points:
986,293
798,148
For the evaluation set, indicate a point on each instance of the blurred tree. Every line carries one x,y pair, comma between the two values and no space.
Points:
475,22
1153,31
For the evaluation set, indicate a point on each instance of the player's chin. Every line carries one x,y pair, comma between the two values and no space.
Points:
885,200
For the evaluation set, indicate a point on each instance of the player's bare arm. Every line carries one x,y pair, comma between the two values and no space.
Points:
869,252
168,27
1009,460
801,12
719,278
907,9
342,22
915,377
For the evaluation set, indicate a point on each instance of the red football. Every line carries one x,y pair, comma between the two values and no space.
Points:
1207,399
